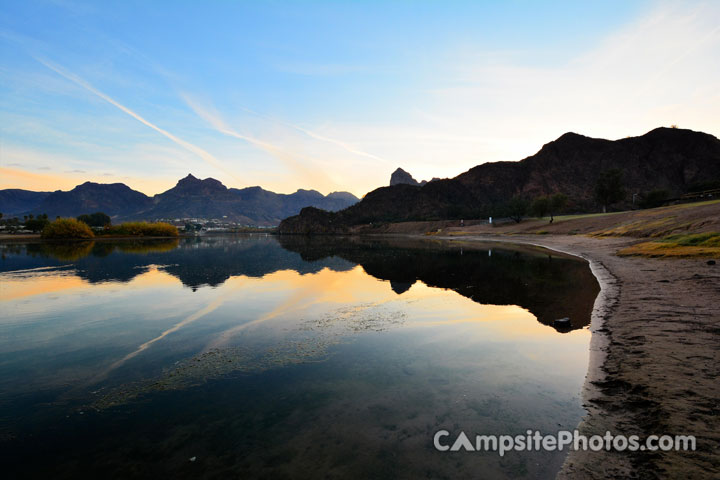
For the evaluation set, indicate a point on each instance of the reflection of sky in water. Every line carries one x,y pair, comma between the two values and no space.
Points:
425,359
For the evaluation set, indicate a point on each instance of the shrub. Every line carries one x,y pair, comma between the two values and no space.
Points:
142,229
67,228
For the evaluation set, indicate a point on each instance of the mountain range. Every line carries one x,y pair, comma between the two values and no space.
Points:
190,198
671,159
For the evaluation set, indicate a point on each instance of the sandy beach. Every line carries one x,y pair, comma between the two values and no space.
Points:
655,357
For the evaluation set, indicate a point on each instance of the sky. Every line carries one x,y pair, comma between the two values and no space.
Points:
334,96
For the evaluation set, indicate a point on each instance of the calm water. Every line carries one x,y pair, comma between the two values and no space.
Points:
266,357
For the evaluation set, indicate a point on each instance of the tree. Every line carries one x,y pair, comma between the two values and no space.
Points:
540,206
654,198
609,188
36,224
557,203
97,219
517,208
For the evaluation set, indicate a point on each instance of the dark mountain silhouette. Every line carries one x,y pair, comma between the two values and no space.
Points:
400,176
665,158
209,198
191,197
15,200
115,199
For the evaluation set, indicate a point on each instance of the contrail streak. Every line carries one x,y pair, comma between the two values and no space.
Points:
317,136
207,157
289,158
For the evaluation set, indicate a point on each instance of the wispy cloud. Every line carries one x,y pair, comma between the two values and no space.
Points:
318,69
659,69
345,146
297,162
206,156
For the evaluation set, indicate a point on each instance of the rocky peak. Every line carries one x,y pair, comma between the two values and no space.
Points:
194,185
400,177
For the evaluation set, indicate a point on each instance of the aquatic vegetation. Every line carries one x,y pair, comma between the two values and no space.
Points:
309,343
218,363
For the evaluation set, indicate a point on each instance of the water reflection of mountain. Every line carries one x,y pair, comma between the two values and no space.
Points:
195,261
549,285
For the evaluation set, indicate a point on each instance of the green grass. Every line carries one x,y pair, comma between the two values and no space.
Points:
687,245
708,239
586,215
679,206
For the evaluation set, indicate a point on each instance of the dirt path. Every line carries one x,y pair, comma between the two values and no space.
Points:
655,359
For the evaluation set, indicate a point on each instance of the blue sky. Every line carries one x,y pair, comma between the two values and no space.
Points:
335,95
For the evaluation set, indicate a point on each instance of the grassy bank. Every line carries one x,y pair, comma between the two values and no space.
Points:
688,245
683,230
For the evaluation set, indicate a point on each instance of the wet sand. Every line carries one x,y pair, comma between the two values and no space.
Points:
655,359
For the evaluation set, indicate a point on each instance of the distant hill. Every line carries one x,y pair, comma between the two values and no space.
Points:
14,200
191,197
115,199
671,159
209,198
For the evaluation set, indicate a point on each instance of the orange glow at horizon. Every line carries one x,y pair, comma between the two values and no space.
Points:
50,182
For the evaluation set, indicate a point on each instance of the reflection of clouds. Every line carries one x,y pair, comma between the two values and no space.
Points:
325,287
211,307
363,298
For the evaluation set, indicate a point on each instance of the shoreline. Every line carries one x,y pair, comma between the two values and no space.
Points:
34,238
649,314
